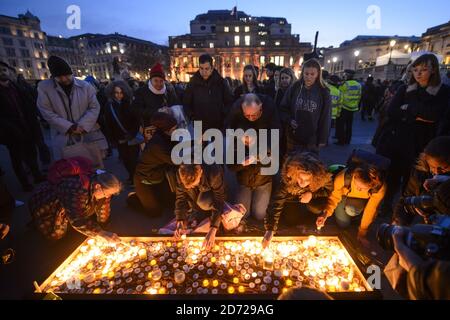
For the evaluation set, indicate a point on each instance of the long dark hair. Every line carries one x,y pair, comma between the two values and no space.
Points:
127,92
430,60
251,68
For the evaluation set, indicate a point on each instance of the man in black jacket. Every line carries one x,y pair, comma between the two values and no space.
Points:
207,97
254,112
200,189
19,128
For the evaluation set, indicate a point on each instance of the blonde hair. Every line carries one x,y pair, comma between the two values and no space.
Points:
313,63
301,163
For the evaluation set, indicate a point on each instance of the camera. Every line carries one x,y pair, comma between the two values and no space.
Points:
427,240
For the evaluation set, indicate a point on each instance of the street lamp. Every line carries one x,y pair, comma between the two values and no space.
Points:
391,45
335,59
356,53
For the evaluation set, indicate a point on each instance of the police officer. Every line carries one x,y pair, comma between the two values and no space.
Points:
351,96
336,98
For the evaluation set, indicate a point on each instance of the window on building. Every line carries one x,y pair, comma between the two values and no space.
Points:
262,60
211,44
213,29
291,61
226,29
237,60
261,25
195,62
247,40
10,52
263,43
20,33
247,29
5,30
278,60
41,55
236,29
28,63
43,65
277,43
183,45
227,43
36,35
237,40
22,43
8,41
203,28
281,30
175,46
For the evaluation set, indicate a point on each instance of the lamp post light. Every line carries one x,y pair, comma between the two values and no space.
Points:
391,45
356,54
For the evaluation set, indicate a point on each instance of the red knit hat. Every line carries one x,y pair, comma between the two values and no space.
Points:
157,71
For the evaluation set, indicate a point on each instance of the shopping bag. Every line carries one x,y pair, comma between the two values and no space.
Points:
76,147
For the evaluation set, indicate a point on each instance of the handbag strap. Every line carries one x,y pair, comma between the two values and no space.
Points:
116,118
67,109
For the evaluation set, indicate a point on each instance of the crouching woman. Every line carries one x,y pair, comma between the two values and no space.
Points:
80,201
357,192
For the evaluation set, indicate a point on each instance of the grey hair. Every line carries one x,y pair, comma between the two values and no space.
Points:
108,181
251,98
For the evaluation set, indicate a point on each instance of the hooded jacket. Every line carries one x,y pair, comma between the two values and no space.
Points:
311,109
208,101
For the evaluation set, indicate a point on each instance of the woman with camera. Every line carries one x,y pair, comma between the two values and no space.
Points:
431,169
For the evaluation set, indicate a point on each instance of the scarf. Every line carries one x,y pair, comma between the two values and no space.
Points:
155,91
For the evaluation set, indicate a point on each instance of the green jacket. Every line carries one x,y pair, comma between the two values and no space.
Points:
336,101
351,95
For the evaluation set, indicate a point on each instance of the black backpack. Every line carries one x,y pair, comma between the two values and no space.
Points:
361,157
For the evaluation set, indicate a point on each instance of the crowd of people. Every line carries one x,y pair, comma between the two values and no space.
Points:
412,145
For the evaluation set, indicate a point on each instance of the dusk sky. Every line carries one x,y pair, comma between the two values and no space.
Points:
152,20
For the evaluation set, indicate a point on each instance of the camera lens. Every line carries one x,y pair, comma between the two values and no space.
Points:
384,236
422,202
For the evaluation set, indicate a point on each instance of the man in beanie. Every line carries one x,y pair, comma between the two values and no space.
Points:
19,128
152,97
208,97
152,190
69,105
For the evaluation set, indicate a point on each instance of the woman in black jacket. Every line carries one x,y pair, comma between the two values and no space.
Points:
305,110
303,178
150,181
249,83
123,125
419,112
287,77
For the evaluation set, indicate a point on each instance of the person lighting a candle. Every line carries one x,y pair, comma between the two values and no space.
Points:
200,190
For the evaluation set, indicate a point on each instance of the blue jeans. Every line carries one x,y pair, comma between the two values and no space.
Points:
346,212
255,200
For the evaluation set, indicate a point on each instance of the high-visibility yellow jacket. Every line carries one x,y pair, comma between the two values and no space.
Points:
351,95
336,101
